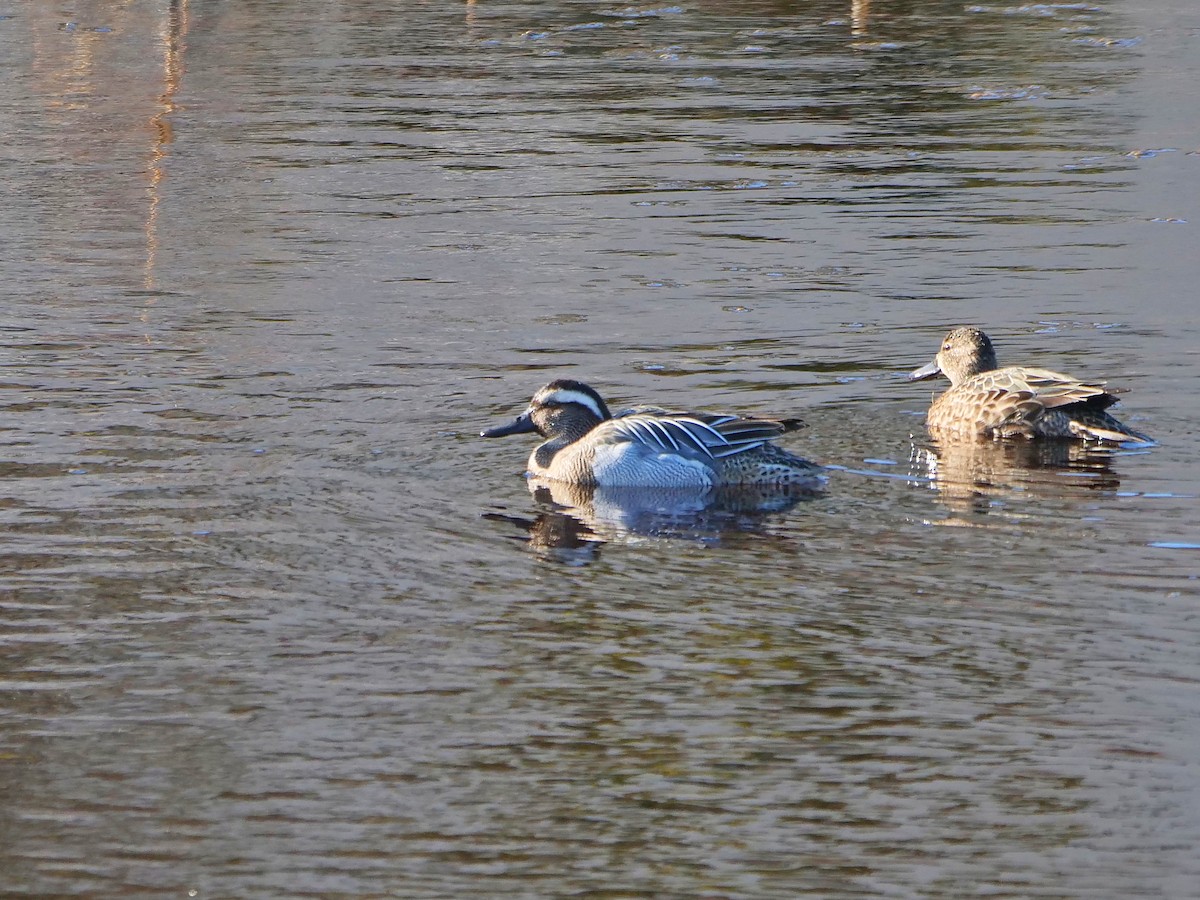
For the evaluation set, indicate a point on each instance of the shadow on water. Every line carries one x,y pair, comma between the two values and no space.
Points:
573,521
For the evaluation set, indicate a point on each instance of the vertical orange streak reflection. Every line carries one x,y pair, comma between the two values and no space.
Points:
860,13
173,37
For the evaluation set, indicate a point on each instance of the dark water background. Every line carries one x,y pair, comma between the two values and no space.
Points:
275,623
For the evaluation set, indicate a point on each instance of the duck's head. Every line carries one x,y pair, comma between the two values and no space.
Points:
965,352
563,407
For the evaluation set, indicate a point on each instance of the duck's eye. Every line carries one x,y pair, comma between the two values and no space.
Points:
945,346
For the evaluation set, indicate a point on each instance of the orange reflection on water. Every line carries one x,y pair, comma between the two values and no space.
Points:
90,72
860,13
172,35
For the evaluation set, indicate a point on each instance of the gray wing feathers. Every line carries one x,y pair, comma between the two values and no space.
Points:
1053,389
673,435
714,437
746,434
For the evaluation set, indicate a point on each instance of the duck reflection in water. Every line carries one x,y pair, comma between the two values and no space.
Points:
574,521
974,477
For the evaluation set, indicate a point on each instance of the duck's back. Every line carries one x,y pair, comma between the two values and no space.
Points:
1021,401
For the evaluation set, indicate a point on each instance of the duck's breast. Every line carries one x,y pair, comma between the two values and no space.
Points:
963,411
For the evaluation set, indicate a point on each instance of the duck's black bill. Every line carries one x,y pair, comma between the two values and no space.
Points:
930,371
522,424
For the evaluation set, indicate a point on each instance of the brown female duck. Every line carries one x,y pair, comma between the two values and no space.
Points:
1016,401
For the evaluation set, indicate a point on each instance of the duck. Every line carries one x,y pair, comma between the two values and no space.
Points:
649,447
984,400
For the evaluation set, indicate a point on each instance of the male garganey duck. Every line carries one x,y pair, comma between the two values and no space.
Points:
648,447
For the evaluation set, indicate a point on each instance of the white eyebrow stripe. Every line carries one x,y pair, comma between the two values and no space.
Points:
565,396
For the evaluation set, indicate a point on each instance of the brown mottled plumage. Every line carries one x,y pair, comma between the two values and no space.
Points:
1016,401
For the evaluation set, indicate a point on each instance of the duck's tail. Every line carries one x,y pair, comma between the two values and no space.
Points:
1110,430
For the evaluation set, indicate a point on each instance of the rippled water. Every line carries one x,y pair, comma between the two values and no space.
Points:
275,623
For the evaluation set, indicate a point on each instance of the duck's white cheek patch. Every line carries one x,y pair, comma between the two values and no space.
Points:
564,397
633,465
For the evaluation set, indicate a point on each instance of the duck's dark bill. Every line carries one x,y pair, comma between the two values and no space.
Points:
522,424
924,372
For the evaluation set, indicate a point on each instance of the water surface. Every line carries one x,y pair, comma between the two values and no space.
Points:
274,622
